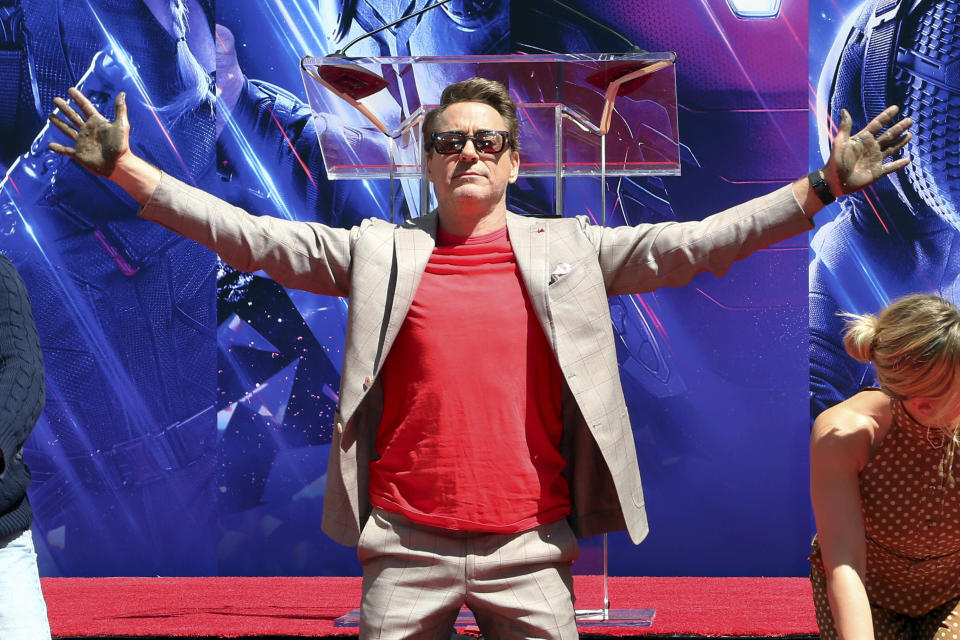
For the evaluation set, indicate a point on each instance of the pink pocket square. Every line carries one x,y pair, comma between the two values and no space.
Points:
559,271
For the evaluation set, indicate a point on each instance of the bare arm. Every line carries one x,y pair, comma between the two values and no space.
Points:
837,454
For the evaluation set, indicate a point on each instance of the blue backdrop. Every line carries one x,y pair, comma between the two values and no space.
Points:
188,421
899,236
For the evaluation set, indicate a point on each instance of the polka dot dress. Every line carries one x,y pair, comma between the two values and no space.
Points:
911,514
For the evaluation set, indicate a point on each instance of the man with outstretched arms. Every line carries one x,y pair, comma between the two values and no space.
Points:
481,424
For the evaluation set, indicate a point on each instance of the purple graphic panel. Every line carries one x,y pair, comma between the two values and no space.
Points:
190,406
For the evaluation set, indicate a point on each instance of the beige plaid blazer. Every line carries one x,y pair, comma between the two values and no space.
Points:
569,267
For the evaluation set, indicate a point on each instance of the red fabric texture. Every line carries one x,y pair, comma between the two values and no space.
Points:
470,434
307,607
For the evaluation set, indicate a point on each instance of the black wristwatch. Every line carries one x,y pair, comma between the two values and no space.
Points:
820,187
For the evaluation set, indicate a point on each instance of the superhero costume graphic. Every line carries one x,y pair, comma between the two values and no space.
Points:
280,351
98,487
125,309
694,359
664,355
902,236
271,445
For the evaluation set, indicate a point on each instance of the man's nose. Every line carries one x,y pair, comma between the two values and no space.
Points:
469,150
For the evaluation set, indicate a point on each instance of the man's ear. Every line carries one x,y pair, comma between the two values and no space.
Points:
426,159
514,166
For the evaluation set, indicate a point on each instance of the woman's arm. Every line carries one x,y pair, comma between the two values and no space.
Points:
839,448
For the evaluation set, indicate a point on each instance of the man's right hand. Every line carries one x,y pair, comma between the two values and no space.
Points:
103,147
98,143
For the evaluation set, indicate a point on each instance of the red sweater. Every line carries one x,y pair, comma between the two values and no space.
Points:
471,427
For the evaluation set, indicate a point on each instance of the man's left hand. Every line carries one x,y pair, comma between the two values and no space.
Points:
857,161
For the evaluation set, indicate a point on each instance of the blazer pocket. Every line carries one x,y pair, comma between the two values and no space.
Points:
568,282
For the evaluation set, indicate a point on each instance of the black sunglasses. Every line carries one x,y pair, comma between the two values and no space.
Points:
484,141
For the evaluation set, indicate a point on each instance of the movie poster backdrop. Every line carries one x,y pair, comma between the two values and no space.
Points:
189,408
902,235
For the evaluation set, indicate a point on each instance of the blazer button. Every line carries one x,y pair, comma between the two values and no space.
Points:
339,427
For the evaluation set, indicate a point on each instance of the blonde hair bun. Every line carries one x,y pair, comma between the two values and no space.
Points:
859,335
914,344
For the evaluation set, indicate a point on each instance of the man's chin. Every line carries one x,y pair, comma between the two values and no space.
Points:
469,191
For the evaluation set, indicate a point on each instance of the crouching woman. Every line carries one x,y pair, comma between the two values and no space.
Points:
885,482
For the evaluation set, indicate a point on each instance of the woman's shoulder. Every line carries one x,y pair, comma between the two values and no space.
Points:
856,426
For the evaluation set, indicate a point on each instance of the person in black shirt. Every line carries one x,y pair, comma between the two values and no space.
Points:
23,613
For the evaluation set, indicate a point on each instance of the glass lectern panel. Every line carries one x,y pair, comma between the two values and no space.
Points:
575,110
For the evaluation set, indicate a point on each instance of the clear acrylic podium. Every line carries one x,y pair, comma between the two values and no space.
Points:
581,115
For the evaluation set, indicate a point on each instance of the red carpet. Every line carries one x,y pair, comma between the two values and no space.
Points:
307,607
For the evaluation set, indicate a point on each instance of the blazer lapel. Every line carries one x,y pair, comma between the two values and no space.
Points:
413,244
529,238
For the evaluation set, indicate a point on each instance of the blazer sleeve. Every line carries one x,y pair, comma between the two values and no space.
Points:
649,256
21,365
300,255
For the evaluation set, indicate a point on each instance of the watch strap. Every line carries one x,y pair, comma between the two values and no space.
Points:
820,187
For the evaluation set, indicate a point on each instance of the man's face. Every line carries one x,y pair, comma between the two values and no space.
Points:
471,178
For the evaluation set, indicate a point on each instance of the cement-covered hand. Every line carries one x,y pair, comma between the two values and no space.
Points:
99,143
857,161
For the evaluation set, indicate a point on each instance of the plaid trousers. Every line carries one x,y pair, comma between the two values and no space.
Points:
416,578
